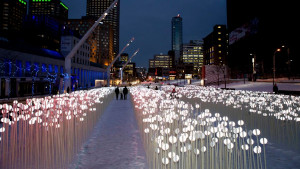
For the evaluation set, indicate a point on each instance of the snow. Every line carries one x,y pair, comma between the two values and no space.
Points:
115,142
261,86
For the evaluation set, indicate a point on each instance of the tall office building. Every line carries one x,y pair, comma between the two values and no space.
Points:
215,46
80,27
12,13
109,37
53,8
177,37
193,53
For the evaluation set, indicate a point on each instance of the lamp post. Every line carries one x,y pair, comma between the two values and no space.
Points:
253,66
277,50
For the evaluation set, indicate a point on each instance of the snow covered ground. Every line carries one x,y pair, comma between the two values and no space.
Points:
261,86
115,142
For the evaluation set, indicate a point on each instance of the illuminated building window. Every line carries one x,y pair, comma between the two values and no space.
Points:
219,33
220,51
219,45
219,39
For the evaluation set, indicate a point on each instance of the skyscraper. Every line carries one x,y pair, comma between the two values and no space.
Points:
177,37
109,38
53,8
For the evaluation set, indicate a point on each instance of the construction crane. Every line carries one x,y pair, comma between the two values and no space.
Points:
112,63
121,70
80,43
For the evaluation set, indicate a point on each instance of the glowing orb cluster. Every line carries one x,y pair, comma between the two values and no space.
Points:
178,134
47,132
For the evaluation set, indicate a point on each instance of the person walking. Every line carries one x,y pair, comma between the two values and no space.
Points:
121,93
173,93
125,92
275,88
117,91
156,88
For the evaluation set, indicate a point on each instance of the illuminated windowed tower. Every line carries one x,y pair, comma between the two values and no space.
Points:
12,13
193,53
109,39
54,8
177,37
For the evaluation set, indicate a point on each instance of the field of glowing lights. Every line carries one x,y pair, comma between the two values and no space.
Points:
203,127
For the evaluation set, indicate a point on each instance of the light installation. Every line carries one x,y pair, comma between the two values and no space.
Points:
47,132
183,133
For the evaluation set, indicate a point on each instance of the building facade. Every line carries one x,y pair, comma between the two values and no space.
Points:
193,54
255,33
43,31
80,27
12,13
161,60
177,37
81,71
124,57
54,8
215,46
111,23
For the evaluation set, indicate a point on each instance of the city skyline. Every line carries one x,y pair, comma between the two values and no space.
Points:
152,30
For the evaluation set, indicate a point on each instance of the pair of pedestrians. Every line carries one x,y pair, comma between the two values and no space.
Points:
123,93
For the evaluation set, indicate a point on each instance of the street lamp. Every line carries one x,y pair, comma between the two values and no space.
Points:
277,50
253,67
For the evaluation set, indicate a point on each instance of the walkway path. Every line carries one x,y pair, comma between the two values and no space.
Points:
115,142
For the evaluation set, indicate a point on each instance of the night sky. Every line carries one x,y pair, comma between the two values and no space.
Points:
149,21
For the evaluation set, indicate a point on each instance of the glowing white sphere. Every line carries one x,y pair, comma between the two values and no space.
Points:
146,130
230,146
2,129
243,134
257,149
203,149
245,147
241,122
171,154
165,146
177,131
175,158
172,139
263,141
227,141
250,141
182,138
157,150
165,160
256,132
183,149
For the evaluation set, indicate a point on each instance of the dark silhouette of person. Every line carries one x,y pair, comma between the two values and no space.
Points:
125,92
156,88
173,93
275,88
117,91
148,87
68,89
